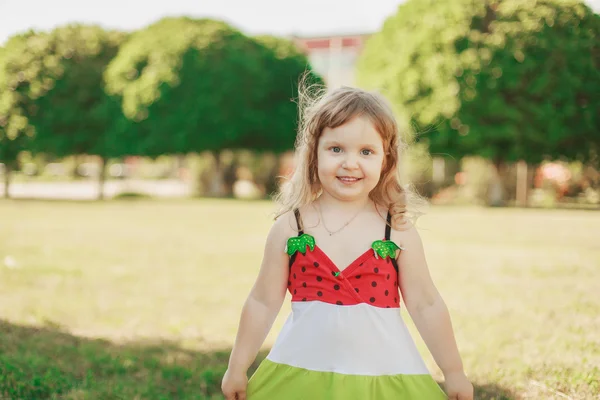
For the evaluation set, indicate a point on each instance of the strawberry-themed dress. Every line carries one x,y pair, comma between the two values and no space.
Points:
345,338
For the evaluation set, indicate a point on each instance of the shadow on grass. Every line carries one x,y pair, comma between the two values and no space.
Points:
493,392
46,363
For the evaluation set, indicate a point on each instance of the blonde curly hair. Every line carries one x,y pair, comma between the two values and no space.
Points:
319,110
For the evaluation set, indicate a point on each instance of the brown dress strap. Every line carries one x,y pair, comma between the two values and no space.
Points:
388,233
300,233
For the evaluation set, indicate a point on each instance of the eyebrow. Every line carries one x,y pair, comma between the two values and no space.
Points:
337,143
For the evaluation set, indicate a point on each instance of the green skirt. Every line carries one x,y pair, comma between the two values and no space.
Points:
273,381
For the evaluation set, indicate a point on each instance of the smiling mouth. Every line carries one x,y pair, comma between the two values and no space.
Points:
348,179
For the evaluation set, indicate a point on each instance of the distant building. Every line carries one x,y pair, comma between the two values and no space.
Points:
333,57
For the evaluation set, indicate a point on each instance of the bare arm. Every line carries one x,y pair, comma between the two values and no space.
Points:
264,301
425,304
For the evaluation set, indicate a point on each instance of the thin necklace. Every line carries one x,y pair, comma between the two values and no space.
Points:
343,226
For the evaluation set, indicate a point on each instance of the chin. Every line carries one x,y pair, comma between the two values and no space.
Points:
348,195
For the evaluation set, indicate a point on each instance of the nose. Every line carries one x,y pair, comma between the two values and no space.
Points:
350,162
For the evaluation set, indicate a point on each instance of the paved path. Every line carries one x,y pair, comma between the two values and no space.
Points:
88,190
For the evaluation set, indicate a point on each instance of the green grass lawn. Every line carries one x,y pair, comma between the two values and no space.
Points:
141,299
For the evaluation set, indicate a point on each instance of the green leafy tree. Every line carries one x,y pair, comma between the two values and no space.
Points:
504,79
185,82
201,85
57,85
283,66
15,132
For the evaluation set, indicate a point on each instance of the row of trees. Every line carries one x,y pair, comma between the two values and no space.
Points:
504,79
180,85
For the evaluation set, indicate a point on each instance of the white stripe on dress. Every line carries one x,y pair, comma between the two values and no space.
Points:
355,340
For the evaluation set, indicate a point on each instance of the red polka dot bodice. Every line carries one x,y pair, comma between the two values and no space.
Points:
368,279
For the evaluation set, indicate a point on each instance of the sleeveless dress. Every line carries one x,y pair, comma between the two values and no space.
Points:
345,338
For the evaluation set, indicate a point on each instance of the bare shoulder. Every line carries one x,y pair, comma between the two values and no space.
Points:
308,219
407,236
409,240
284,227
271,281
416,284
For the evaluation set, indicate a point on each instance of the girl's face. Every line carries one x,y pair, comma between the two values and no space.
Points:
350,158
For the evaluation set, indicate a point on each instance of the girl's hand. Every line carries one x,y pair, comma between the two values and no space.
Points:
458,386
234,385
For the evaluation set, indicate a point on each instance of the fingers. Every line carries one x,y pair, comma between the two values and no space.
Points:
241,395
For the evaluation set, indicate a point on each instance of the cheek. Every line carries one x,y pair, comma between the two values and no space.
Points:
326,163
376,166
322,167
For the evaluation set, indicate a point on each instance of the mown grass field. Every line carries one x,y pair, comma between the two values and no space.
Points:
141,299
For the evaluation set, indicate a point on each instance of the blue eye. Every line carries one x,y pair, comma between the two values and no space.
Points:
336,149
366,152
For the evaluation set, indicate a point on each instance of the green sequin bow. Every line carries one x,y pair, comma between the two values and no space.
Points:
385,248
300,243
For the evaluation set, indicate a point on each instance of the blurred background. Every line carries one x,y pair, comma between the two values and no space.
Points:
141,144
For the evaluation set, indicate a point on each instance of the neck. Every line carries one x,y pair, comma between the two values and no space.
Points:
331,203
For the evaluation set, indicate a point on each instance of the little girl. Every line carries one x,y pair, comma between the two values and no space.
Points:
344,248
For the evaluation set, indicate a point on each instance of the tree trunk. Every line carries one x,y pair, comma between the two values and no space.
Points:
496,191
522,184
76,162
230,177
7,171
177,163
216,185
101,178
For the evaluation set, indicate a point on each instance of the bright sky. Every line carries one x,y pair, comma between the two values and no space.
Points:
305,17
251,16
